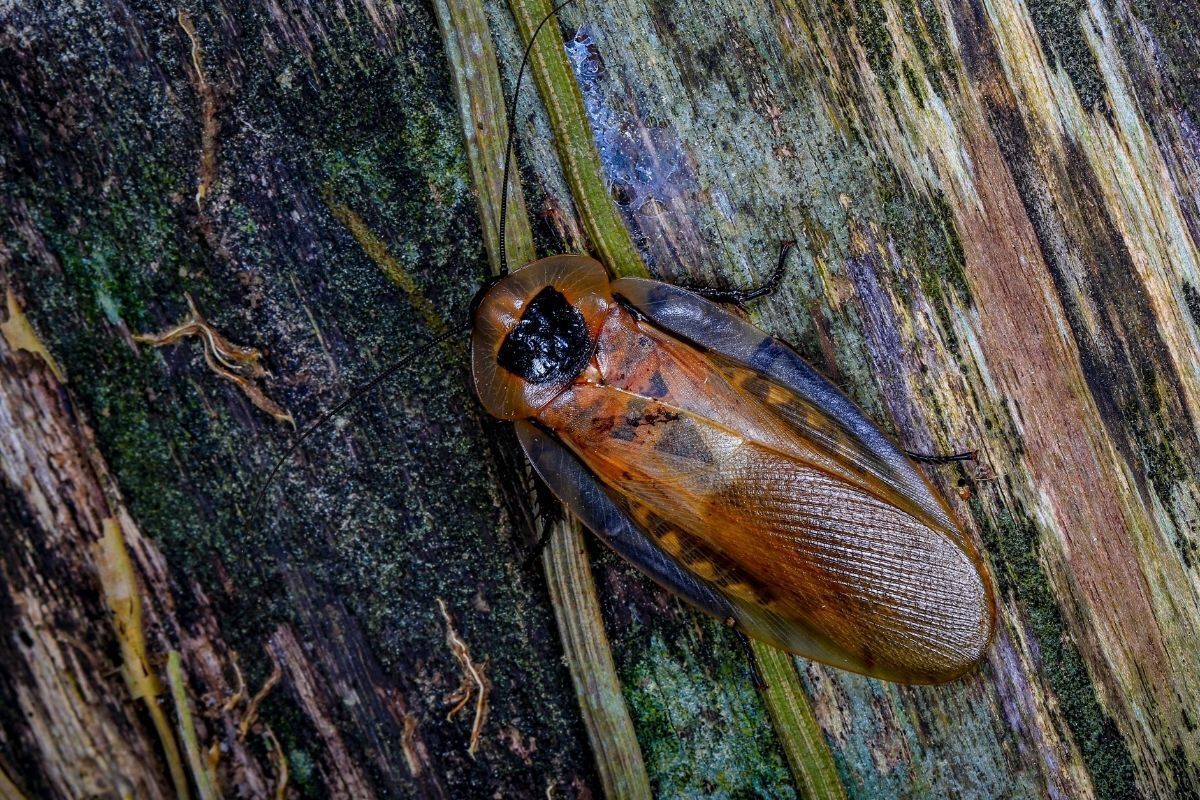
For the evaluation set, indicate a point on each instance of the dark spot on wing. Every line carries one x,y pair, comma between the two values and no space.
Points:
623,432
603,426
656,416
656,387
623,426
730,494
685,441
639,412
757,386
699,557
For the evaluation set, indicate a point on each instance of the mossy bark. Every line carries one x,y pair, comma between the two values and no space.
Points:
995,204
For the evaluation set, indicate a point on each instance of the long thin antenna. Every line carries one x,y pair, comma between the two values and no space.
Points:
388,372
512,123
400,363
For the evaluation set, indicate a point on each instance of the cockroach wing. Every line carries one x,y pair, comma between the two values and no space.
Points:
695,319
587,498
808,562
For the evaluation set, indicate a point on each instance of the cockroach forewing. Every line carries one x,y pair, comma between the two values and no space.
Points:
702,322
739,351
581,492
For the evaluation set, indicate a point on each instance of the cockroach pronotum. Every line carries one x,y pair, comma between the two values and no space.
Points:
718,462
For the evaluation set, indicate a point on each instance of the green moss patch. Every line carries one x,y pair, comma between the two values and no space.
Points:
1014,544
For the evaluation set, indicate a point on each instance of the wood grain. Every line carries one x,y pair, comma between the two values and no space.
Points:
996,203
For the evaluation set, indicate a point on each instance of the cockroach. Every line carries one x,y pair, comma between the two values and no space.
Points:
720,464
714,459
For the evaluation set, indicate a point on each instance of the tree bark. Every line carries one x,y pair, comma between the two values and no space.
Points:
997,210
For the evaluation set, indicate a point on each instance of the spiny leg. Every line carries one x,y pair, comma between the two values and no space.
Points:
539,547
740,296
756,676
953,458
543,525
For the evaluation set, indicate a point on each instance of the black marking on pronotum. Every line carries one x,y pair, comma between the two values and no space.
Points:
550,344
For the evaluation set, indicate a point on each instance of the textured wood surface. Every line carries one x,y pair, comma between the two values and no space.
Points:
997,207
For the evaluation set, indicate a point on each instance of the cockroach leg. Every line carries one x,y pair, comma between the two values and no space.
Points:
953,458
740,296
756,676
544,533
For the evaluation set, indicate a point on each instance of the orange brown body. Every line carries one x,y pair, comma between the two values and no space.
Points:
719,463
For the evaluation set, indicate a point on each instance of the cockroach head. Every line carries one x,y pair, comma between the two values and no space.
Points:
535,330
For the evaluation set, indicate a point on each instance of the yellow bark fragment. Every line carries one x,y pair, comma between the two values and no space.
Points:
120,587
20,335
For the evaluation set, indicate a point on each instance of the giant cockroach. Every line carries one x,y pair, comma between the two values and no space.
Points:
718,462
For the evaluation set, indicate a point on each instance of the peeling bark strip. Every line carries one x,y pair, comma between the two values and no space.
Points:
239,365
377,250
202,769
474,681
8,789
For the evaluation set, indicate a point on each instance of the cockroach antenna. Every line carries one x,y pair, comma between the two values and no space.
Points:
388,372
407,358
512,127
